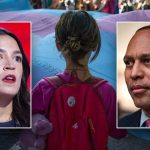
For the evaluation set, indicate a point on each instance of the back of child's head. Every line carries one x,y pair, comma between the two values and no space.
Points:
77,34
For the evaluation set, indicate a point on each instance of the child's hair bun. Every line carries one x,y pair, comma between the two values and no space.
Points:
73,44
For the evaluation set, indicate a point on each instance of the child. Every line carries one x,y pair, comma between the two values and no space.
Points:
77,36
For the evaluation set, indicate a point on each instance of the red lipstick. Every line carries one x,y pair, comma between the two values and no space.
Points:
9,79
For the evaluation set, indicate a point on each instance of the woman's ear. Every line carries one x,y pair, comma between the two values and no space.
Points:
58,46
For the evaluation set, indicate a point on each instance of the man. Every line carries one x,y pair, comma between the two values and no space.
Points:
137,77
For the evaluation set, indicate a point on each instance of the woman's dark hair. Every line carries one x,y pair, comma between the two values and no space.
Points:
21,102
78,34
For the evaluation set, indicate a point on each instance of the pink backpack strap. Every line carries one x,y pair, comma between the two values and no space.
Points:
95,82
55,81
100,82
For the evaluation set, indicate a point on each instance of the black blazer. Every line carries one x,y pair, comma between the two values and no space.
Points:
132,120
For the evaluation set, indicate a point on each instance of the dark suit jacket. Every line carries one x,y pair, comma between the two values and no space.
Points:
132,120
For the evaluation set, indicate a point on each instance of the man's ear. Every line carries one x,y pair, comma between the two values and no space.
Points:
58,46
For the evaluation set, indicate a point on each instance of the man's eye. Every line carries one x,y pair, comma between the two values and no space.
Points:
128,63
18,58
1,56
146,60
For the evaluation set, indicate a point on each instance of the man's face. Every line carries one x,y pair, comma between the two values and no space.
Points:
137,71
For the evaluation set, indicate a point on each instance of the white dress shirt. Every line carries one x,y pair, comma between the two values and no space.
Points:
144,117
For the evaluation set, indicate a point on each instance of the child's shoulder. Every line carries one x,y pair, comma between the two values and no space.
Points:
103,85
43,83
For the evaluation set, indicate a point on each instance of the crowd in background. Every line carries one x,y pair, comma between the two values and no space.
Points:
107,6
61,4
130,5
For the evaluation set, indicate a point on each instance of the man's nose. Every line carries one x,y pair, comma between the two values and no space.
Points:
137,71
9,65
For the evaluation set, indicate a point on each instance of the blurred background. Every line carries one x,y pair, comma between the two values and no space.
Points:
98,5
106,6
109,6
131,5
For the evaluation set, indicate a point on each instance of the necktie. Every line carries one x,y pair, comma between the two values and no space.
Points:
148,123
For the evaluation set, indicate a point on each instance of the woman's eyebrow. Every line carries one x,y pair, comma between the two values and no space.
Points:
15,52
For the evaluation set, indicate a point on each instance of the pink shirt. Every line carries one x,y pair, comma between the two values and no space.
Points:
43,90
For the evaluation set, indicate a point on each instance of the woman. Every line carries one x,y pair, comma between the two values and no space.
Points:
14,72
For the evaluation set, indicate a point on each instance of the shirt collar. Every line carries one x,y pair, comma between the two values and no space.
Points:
67,77
143,118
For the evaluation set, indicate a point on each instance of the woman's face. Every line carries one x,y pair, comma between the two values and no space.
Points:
10,66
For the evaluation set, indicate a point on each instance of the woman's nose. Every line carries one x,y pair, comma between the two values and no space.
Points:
9,65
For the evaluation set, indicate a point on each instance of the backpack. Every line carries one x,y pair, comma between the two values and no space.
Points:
78,117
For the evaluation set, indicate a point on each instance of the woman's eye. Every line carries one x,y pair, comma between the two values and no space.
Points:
18,58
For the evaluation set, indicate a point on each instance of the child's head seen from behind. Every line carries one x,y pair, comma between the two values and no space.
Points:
77,35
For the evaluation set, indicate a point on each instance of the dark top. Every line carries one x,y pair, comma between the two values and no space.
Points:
7,124
8,137
132,120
